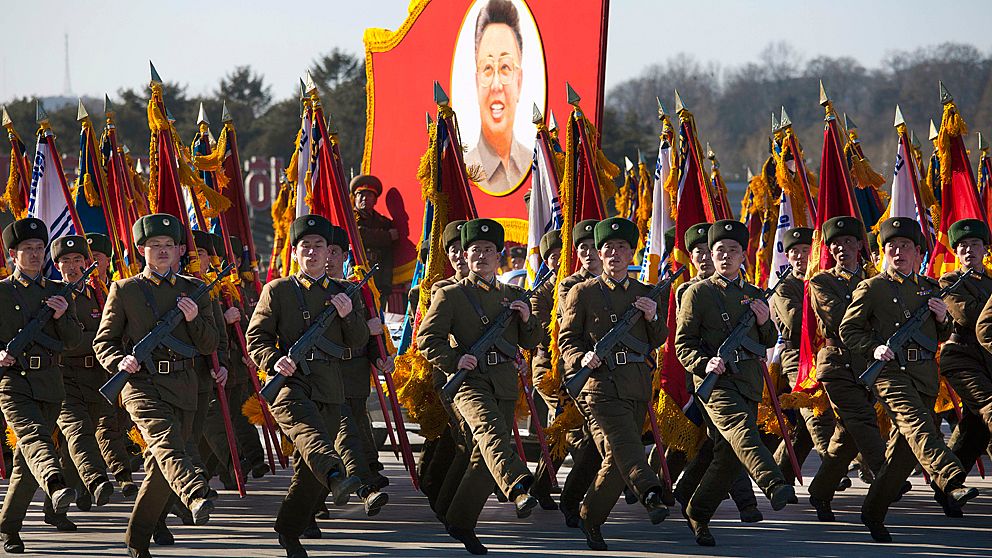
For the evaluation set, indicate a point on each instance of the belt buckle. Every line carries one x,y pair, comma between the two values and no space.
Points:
89,362
492,359
725,317
34,362
485,320
621,358
311,356
347,354
613,318
306,314
912,355
164,367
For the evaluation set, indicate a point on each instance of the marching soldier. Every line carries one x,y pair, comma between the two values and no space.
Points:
615,398
486,399
31,388
740,491
308,406
908,384
710,310
162,400
856,430
966,367
812,432
377,231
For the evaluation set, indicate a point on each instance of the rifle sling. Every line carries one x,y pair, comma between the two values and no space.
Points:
169,341
635,348
926,343
324,346
46,342
500,344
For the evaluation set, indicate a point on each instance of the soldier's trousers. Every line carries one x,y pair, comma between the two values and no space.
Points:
111,434
809,433
740,490
204,395
168,468
616,425
974,387
354,442
215,433
493,461
312,427
970,439
453,471
856,431
915,438
35,461
76,421
249,442
732,422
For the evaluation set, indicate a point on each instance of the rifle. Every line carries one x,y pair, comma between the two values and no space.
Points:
312,338
616,334
32,330
907,332
160,334
737,340
485,343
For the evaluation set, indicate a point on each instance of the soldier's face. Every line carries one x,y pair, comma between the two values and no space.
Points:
456,257
498,79
728,255
482,258
311,253
204,257
71,266
365,199
517,262
701,259
161,253
971,252
29,256
102,263
902,254
588,256
845,250
335,261
554,258
798,256
616,255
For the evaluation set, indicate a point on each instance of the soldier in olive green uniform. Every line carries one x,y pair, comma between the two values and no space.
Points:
160,395
485,401
377,231
308,406
812,432
696,242
856,430
907,386
615,398
965,365
31,389
710,310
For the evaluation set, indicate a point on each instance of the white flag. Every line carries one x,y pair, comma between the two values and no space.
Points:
786,221
48,200
661,217
302,164
544,212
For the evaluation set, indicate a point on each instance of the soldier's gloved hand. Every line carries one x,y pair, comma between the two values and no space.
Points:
58,304
188,308
521,308
467,362
129,364
232,315
939,309
6,359
716,366
884,353
646,305
761,312
375,326
220,375
285,366
590,360
342,303
385,365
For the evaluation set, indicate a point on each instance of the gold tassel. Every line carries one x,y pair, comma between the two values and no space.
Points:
676,430
252,410
92,197
951,126
11,438
286,445
556,433
215,161
137,438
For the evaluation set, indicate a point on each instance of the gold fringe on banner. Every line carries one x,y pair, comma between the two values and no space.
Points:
137,438
951,126
252,410
215,161
556,433
13,200
676,430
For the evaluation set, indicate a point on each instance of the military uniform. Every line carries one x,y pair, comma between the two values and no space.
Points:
906,386
31,391
161,401
710,309
308,406
377,239
464,311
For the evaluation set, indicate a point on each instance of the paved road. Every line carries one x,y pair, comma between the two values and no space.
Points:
406,527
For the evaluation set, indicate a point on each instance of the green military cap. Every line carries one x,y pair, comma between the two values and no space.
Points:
968,228
217,241
482,229
71,244
452,233
99,243
518,252
237,246
696,234
670,236
842,226
309,224
204,241
339,238
583,230
795,236
895,227
24,229
873,242
366,182
550,241
727,229
616,228
157,224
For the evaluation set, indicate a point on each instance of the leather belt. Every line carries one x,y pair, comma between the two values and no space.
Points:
170,366
86,361
320,356
620,358
915,354
38,362
493,358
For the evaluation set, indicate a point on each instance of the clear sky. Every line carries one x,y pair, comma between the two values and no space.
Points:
111,41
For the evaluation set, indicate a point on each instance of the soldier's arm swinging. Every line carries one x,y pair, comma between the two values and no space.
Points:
433,335
262,336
